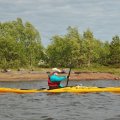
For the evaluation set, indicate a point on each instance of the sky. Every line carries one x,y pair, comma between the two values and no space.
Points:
51,17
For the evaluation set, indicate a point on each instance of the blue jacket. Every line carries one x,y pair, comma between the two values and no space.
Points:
55,78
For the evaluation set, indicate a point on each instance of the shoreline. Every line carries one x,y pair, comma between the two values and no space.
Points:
37,75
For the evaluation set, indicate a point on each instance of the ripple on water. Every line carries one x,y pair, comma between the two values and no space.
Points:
65,106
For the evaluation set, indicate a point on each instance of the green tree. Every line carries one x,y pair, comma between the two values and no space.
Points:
115,50
104,54
8,53
75,41
22,41
88,46
64,49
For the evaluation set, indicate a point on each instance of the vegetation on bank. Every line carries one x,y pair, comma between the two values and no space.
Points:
99,69
21,47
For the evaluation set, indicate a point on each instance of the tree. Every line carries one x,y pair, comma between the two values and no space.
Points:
64,49
8,53
75,41
115,50
104,53
88,46
22,44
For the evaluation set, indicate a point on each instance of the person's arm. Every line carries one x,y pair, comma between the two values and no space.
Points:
55,78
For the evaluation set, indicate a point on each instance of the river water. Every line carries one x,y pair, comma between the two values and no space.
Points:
64,106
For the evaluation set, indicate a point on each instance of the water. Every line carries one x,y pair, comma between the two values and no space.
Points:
64,106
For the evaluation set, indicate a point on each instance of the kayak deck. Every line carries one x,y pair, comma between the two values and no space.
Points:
75,89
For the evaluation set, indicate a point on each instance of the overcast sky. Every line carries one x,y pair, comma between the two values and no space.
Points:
52,17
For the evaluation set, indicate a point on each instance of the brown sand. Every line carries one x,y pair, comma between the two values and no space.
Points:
36,75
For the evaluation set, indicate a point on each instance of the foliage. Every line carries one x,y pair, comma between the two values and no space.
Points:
20,44
64,49
115,51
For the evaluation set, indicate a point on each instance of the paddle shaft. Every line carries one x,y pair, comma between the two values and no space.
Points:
68,77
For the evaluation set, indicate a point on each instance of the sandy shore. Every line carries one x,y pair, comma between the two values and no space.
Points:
37,75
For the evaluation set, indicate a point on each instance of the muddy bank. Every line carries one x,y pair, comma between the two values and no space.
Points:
37,75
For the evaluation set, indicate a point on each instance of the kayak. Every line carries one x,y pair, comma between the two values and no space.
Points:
73,89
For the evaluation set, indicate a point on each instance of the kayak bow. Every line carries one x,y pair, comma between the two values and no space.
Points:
74,89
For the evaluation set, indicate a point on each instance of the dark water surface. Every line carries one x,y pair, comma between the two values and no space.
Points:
64,106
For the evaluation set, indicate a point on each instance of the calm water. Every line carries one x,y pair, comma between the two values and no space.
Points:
64,106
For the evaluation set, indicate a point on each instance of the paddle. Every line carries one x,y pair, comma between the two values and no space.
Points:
68,77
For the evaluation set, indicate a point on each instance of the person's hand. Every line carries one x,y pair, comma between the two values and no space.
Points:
68,77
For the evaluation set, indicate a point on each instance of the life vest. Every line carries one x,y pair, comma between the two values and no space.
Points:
52,84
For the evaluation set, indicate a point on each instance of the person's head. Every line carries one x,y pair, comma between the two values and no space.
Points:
56,70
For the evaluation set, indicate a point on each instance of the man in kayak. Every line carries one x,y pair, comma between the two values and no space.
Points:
54,80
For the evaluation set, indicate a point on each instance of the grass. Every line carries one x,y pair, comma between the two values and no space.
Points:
101,69
104,69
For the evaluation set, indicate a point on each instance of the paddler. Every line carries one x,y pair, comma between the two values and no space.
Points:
54,80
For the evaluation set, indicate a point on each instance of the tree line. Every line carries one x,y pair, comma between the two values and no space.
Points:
20,46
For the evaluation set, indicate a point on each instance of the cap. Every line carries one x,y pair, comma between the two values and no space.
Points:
56,70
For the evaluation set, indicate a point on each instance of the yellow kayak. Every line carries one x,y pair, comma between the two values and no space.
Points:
74,89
